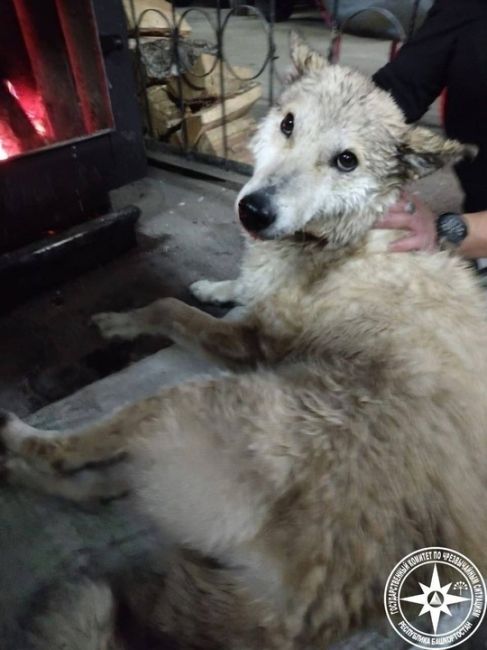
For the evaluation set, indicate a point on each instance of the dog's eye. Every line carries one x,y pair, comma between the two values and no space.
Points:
346,161
287,125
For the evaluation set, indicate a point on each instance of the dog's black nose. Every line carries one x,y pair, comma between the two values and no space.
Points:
256,211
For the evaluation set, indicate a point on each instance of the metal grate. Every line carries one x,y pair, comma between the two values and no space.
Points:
219,20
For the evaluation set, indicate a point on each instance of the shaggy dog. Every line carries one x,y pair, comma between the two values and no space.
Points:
352,428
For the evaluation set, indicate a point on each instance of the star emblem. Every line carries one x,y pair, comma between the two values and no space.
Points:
435,599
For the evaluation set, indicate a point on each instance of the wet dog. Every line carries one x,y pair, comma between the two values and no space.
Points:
352,427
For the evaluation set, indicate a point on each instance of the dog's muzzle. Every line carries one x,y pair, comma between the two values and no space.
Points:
256,211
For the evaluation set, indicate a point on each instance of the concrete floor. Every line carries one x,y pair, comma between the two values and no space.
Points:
47,346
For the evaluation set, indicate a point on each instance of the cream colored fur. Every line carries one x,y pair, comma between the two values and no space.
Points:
354,429
79,616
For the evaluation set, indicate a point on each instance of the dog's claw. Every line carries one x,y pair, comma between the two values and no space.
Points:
113,325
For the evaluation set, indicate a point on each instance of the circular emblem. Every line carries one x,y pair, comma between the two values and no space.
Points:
435,598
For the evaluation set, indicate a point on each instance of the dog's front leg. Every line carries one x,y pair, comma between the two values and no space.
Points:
231,342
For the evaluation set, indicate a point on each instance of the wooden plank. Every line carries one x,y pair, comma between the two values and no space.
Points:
203,79
209,118
239,132
153,24
165,115
211,141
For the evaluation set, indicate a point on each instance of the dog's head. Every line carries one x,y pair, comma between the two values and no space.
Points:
331,155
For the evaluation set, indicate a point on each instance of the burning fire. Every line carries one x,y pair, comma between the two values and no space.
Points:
3,153
33,108
31,104
8,142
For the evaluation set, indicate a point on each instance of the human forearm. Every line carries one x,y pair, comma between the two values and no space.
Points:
417,75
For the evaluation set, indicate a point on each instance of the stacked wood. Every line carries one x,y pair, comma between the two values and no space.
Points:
203,79
233,107
189,109
204,128
157,56
238,135
164,114
232,103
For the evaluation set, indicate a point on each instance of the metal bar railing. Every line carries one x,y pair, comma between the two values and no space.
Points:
218,20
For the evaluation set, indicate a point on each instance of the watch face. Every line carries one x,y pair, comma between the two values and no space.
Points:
452,227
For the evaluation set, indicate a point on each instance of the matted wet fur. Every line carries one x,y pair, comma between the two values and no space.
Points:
352,428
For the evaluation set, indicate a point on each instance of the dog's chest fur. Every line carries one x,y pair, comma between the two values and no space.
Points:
369,300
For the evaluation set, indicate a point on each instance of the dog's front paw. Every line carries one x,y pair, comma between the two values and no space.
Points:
112,325
202,290
214,292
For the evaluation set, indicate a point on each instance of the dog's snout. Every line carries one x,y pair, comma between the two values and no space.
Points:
256,211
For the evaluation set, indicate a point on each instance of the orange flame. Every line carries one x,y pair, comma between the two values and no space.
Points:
33,107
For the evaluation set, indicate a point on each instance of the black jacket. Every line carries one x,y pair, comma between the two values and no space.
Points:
450,50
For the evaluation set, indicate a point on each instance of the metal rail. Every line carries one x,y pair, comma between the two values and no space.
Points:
218,19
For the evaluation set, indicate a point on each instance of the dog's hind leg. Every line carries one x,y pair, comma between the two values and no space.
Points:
217,293
78,466
68,451
81,486
186,440
208,461
202,604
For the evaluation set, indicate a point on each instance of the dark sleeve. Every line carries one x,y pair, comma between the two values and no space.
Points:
418,74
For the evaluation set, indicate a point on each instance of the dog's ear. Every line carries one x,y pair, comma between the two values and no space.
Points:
423,152
304,58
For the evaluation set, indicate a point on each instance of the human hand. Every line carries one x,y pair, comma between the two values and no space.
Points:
414,216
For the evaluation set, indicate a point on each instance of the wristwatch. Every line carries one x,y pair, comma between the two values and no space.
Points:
451,228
